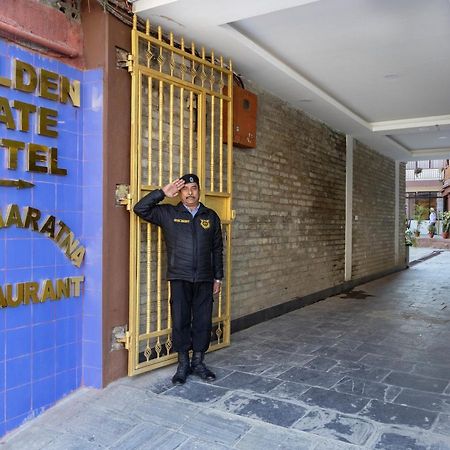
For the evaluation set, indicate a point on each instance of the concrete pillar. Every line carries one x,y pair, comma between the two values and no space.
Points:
348,207
397,211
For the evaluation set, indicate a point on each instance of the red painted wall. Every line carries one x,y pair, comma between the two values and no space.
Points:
42,28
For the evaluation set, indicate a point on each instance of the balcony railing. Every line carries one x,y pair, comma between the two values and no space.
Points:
424,174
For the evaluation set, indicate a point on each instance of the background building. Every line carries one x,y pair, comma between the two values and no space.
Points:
424,182
446,187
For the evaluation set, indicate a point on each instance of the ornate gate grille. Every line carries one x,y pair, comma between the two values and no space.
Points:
180,98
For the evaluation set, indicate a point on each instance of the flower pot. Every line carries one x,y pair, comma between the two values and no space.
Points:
416,233
445,234
431,235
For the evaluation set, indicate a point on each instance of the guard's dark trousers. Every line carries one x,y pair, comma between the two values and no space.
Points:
192,305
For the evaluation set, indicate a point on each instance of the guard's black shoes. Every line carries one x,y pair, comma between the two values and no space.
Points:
182,369
198,367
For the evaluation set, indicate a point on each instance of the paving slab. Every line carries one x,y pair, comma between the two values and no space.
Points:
198,444
288,390
424,400
198,392
396,441
146,434
338,353
321,363
418,382
245,381
272,437
69,441
336,445
97,425
368,389
167,412
311,377
360,370
400,415
338,426
276,370
338,401
262,408
400,439
38,437
388,363
442,425
366,370
217,428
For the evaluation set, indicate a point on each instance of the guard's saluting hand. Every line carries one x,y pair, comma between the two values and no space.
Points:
171,190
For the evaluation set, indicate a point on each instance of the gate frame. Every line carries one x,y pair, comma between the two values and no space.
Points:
223,200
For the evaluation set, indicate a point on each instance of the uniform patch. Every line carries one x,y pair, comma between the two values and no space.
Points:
181,220
205,224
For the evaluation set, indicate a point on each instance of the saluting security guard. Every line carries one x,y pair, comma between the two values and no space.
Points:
193,237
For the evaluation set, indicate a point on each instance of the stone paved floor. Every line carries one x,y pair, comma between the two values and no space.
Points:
369,369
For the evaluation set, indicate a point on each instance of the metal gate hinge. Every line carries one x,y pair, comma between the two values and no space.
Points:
123,196
124,60
123,338
128,202
130,62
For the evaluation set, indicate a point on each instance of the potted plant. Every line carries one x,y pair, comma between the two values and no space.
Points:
410,240
419,215
445,224
431,230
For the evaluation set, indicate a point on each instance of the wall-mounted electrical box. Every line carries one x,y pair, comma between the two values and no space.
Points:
245,105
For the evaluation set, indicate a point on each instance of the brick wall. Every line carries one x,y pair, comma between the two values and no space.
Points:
289,194
374,207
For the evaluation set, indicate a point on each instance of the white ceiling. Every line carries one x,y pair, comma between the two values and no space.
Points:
376,69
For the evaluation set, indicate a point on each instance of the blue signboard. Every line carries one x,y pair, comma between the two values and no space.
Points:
50,232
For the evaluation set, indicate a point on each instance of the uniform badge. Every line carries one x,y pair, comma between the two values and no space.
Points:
205,224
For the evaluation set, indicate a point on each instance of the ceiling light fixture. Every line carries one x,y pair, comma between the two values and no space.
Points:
305,100
443,137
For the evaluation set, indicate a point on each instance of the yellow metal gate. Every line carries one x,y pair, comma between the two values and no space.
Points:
179,99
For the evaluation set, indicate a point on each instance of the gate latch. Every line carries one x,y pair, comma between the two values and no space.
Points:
123,196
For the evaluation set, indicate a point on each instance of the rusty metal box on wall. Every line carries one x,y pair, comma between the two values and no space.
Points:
245,104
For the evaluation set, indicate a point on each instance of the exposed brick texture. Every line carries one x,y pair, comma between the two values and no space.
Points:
289,194
374,207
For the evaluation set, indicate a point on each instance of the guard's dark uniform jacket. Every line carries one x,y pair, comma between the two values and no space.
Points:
194,244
